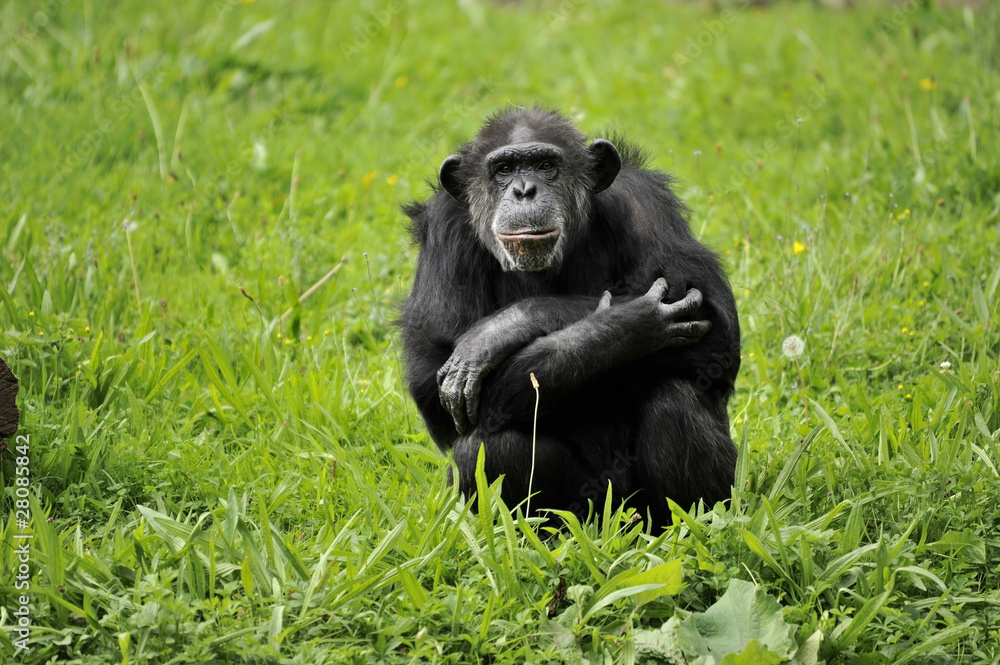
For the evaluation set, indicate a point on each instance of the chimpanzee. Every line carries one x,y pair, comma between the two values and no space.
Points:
542,254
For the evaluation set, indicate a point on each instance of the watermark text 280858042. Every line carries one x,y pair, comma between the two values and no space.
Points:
22,548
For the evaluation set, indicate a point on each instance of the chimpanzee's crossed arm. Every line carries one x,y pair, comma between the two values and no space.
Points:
564,341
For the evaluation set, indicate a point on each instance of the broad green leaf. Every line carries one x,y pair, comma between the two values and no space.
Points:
276,624
745,623
658,645
246,577
754,654
963,543
744,613
669,575
603,601
808,653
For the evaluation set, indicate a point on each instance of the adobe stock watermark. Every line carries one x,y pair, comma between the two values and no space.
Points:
373,24
559,16
41,17
711,30
898,18
706,376
22,545
120,108
429,144
223,7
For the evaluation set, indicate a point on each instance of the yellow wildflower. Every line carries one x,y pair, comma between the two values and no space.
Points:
369,178
798,248
392,180
928,84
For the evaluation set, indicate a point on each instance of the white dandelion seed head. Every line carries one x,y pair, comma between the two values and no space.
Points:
793,347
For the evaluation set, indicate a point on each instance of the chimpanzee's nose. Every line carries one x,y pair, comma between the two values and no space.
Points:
524,189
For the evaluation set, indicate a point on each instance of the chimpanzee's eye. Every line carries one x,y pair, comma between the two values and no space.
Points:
546,166
505,169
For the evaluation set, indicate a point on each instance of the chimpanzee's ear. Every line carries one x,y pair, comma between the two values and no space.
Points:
448,175
607,163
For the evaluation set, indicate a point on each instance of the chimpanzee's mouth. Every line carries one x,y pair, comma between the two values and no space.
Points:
531,241
530,251
530,236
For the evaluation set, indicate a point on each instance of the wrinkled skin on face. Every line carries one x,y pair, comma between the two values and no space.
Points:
530,195
528,220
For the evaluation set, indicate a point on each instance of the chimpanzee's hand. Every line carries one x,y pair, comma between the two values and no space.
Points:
488,343
648,324
460,379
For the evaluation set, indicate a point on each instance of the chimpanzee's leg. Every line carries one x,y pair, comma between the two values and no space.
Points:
564,479
685,448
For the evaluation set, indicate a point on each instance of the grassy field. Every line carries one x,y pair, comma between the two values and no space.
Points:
221,469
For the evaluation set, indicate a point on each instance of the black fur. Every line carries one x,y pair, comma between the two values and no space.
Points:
634,392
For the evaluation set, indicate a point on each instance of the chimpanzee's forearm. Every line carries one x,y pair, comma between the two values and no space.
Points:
485,345
560,361
493,339
500,334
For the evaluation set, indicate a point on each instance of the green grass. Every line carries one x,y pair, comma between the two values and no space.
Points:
213,483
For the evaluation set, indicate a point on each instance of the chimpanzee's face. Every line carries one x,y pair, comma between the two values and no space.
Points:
529,218
529,194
